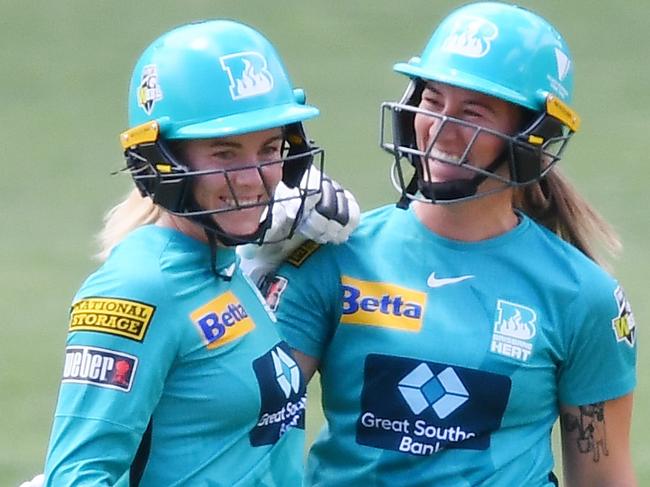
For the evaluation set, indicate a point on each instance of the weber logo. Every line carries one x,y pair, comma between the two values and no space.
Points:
99,367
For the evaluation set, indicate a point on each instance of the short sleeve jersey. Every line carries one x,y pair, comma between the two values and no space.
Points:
443,362
174,376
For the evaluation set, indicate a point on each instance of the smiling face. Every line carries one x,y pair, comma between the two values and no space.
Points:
245,171
449,140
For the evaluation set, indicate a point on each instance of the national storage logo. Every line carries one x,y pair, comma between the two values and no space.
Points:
122,317
222,320
382,304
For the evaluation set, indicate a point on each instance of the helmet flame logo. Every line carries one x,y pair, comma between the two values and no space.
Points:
515,320
248,74
149,91
471,37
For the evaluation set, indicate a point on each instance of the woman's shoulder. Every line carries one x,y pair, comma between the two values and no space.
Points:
588,275
133,268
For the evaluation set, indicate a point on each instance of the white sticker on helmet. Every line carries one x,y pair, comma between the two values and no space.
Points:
563,64
248,73
471,36
149,91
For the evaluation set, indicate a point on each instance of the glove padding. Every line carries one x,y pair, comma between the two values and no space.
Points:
35,482
334,217
327,216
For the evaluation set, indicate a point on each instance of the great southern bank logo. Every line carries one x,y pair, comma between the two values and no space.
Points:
248,74
418,407
514,328
286,372
443,392
282,396
381,304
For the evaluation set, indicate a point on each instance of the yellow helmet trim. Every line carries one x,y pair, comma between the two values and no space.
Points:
560,110
145,133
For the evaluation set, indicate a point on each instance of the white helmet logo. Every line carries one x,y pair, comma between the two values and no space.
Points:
248,73
149,91
563,64
471,37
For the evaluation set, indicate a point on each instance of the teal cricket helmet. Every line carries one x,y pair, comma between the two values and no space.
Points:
213,79
500,50
503,51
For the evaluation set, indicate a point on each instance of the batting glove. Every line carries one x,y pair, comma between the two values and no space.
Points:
327,216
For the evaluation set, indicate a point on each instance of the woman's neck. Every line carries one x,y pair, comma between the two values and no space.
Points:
183,225
469,221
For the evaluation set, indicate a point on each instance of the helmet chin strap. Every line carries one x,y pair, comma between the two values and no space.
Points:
448,191
217,235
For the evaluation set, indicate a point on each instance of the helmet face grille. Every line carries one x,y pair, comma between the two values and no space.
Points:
158,174
529,155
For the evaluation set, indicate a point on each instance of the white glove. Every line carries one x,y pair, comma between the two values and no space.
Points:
329,215
35,482
334,217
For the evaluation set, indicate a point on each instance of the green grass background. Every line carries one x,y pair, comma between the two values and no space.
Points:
65,66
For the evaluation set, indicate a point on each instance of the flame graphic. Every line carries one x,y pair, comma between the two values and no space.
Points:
514,327
252,83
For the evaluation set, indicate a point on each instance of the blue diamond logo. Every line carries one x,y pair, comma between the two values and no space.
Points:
444,392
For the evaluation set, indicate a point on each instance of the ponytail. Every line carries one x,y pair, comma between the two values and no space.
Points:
133,212
555,203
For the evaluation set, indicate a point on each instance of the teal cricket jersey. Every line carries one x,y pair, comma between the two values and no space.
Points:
174,377
443,362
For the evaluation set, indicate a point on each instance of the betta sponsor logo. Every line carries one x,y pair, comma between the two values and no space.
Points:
99,367
222,320
381,304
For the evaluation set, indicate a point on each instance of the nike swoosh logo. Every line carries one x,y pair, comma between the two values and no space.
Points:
433,281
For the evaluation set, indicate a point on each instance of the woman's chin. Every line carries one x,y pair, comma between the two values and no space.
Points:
240,225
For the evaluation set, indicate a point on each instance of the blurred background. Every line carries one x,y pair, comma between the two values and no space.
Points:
65,70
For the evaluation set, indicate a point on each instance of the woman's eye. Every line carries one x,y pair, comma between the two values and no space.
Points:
271,151
226,154
432,102
473,114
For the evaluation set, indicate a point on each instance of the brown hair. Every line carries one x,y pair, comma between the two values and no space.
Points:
556,204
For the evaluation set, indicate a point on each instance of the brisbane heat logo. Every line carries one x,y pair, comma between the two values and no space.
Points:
514,329
471,37
381,304
222,320
248,74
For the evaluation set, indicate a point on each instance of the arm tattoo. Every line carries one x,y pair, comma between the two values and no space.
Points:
590,427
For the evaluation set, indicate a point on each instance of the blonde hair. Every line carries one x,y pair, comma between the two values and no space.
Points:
133,212
556,204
